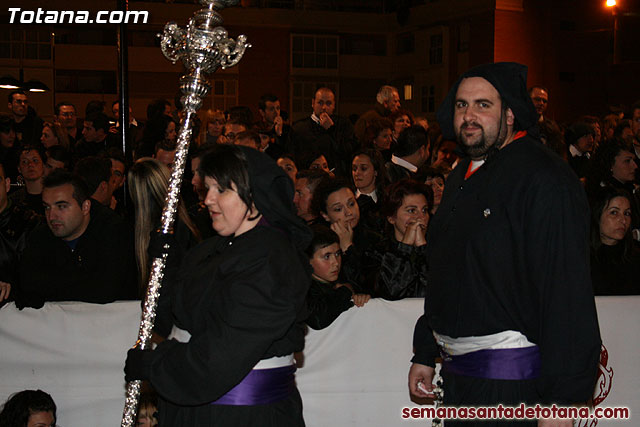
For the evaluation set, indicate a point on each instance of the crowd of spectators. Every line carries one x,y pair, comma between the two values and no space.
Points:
77,214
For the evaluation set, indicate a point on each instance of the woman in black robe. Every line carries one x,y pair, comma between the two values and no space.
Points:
241,297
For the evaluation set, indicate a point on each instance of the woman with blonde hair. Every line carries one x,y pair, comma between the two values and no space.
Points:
215,121
54,134
148,183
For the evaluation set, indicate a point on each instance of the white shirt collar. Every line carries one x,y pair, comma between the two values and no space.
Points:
401,162
315,118
373,195
577,153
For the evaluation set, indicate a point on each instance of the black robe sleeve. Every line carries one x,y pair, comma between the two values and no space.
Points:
557,250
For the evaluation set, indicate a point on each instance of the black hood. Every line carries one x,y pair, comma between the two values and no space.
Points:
272,192
510,80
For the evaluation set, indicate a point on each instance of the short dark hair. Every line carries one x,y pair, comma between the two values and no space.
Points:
93,170
309,157
267,97
15,92
428,171
59,153
325,188
62,177
620,127
117,155
39,148
56,109
156,128
93,107
99,120
323,236
373,129
240,115
156,108
397,191
410,141
166,145
21,405
228,165
200,151
313,177
252,135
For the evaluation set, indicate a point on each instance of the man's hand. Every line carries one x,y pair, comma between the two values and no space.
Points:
421,376
325,121
278,124
5,290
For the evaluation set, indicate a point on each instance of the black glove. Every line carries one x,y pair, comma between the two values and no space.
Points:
158,244
138,365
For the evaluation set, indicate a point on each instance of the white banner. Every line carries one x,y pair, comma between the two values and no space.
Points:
353,373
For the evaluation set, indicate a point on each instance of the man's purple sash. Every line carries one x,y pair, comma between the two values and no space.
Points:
261,387
496,364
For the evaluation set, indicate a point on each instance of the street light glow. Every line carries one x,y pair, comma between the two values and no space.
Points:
611,3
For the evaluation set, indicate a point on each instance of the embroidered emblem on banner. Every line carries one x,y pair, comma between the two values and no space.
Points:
603,386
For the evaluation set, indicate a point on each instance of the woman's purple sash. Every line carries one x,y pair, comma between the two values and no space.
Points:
261,387
496,364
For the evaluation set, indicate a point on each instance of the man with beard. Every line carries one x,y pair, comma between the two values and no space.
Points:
509,303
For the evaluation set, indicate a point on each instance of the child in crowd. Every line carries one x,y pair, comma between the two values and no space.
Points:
327,298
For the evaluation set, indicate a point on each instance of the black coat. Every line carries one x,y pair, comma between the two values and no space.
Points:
337,143
101,269
402,270
326,303
508,250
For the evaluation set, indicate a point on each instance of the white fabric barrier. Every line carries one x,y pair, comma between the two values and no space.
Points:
353,373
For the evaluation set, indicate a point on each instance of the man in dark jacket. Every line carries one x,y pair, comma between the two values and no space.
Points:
28,125
83,253
409,154
509,302
326,133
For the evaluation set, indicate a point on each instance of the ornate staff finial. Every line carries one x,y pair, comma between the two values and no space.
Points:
203,47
